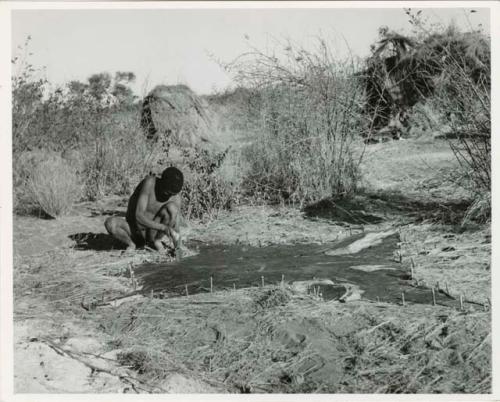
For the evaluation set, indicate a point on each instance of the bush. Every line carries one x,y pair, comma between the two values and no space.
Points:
53,186
22,166
117,157
206,191
309,114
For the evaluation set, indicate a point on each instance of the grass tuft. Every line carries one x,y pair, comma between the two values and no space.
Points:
53,185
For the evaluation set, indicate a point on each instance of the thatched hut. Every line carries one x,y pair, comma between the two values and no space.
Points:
175,114
403,71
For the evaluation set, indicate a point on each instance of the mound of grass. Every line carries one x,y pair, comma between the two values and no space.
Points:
54,186
298,344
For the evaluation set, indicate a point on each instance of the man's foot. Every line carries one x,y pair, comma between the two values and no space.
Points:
159,247
178,253
130,249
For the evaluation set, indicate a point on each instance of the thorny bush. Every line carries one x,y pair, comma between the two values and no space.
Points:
308,117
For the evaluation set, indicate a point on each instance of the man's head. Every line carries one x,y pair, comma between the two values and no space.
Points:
169,184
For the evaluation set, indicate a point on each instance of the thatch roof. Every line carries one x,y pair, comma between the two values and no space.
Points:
177,114
403,71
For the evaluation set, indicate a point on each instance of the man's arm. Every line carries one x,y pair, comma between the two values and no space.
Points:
141,215
174,232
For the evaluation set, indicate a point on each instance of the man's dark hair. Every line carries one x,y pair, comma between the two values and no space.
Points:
172,180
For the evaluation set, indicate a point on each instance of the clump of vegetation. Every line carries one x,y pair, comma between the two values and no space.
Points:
53,186
278,296
206,191
308,115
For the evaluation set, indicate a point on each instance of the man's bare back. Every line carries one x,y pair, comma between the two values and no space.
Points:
152,202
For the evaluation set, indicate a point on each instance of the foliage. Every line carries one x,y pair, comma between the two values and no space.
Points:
305,123
94,124
117,158
206,191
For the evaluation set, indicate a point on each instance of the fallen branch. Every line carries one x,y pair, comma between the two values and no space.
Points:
134,382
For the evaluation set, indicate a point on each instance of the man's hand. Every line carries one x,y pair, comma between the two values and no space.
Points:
176,238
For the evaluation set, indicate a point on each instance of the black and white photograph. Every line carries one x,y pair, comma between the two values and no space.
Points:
247,198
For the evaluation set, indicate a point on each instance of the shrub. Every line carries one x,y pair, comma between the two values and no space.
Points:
22,166
117,156
467,103
309,113
206,191
53,186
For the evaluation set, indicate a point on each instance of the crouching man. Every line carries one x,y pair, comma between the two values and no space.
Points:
152,212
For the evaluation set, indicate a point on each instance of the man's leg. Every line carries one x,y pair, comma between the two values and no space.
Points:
119,229
159,236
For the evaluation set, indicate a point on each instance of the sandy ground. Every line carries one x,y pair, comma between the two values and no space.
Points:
71,282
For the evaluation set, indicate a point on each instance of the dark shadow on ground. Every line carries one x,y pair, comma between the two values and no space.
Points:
345,210
96,242
107,212
419,208
33,211
374,207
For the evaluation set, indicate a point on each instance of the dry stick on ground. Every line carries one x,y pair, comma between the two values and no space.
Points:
403,298
479,345
412,268
378,326
134,382
132,277
433,297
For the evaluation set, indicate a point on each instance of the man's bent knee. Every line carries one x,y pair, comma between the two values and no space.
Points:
110,224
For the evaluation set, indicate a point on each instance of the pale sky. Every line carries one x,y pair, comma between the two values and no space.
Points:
174,46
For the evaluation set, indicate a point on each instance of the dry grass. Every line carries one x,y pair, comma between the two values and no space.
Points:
117,158
54,186
459,260
275,340
70,281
